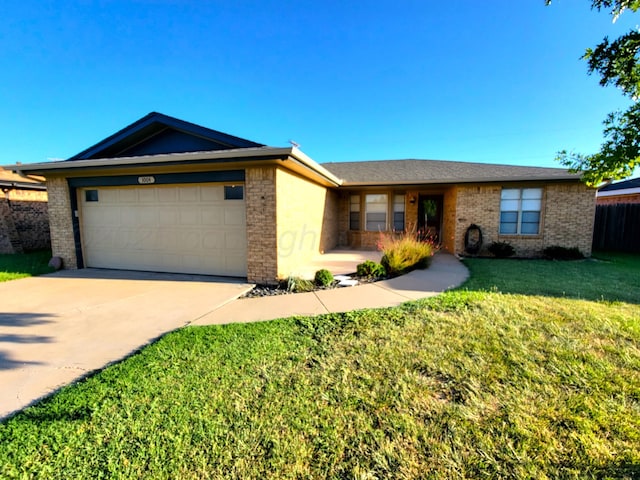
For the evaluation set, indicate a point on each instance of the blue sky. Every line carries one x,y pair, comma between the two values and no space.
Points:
498,81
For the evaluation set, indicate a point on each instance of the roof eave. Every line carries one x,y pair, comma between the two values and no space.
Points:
216,156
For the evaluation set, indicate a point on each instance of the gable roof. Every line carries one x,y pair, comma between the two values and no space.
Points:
156,134
612,187
413,171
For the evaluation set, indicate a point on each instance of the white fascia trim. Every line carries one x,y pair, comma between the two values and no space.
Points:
305,160
163,158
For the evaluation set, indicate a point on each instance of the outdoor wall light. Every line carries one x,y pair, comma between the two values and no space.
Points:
412,200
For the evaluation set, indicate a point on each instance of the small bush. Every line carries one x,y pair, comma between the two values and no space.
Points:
370,269
501,249
556,252
299,285
403,253
323,278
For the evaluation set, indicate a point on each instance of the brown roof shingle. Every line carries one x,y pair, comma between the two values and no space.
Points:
406,172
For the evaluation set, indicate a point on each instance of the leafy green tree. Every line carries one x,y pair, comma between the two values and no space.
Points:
618,63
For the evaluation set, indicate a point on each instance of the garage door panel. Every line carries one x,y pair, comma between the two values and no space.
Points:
167,195
211,216
128,195
234,216
188,194
182,229
147,195
189,216
208,195
108,197
146,216
214,241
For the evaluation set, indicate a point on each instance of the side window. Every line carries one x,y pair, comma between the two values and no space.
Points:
233,192
520,211
91,195
354,212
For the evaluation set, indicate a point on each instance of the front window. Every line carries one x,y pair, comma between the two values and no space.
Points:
398,213
354,212
376,212
520,211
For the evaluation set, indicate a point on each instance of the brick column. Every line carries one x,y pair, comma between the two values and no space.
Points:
60,215
260,188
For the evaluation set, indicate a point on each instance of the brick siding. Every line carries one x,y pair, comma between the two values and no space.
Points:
615,199
260,188
567,218
24,221
62,243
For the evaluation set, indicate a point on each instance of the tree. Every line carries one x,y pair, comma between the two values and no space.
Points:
618,64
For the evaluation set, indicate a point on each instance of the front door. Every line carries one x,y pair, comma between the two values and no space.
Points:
430,217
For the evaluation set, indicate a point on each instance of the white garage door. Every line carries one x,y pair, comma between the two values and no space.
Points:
181,229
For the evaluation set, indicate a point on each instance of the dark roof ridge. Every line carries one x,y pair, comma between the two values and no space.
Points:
156,117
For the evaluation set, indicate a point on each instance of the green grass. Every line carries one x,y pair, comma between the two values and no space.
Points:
22,265
606,276
471,384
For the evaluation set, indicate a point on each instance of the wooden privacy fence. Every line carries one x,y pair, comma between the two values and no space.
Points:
617,227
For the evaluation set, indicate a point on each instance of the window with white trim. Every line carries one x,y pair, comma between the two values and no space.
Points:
376,212
398,213
354,212
520,211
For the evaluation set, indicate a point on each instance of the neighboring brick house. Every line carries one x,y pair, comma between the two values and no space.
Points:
627,191
167,195
24,224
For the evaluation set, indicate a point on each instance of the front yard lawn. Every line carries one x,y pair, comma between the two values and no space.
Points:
605,276
471,384
22,265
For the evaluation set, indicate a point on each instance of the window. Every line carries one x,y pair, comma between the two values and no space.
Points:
233,192
398,213
376,212
91,195
354,212
520,211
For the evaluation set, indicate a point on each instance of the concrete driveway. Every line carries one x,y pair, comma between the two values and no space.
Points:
57,328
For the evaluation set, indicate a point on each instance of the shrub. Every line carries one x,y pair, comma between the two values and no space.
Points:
556,252
298,285
501,249
370,269
402,253
323,278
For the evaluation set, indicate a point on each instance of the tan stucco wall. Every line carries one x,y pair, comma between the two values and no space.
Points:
62,243
307,221
567,218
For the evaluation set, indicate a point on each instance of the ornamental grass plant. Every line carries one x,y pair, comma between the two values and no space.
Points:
403,252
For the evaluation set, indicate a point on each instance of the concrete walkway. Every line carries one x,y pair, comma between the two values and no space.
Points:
56,329
445,272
